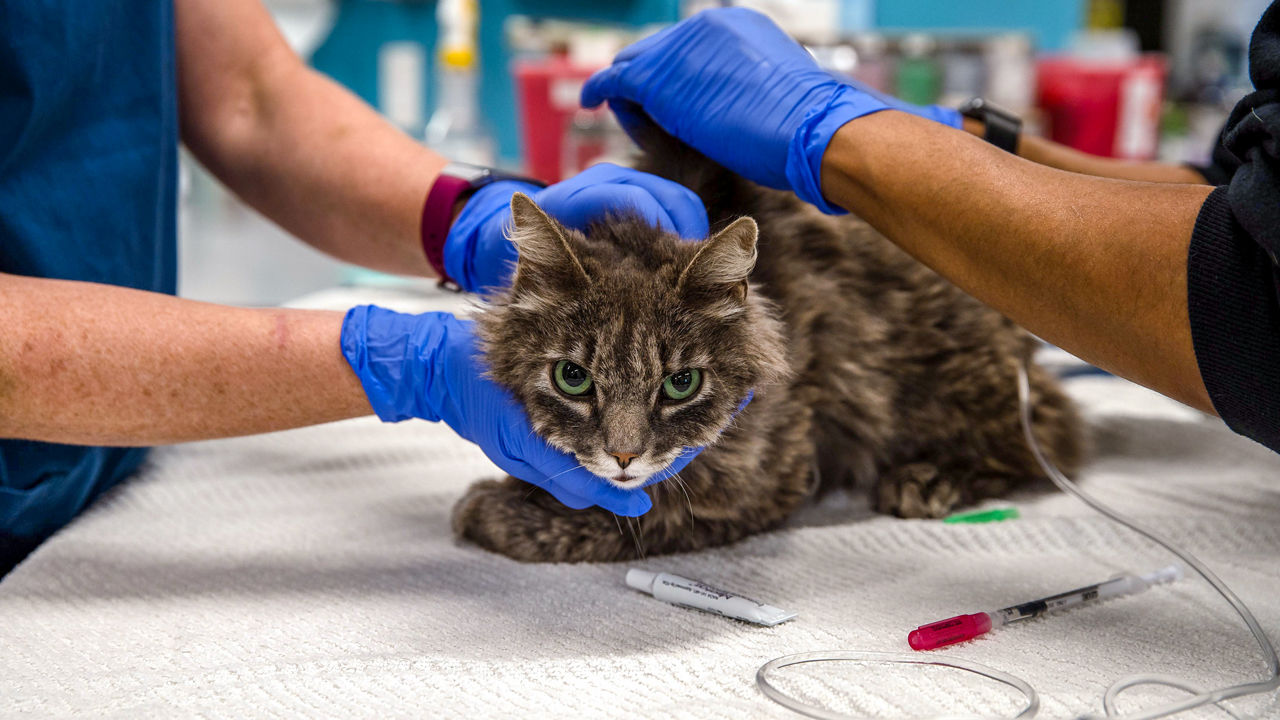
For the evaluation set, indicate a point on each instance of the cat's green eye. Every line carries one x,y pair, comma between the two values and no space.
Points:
571,379
682,385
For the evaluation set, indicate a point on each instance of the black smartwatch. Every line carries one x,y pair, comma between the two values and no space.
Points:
1002,126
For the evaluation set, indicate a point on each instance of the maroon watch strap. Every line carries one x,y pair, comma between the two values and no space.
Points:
437,217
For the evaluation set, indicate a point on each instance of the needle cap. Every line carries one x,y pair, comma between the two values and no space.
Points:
949,631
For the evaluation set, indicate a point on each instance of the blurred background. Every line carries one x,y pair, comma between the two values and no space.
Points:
496,82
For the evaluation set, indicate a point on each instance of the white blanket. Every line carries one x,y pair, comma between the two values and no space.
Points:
312,573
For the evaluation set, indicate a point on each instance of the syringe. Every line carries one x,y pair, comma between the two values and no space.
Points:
967,627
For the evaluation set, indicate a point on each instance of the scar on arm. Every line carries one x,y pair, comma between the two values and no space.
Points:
280,334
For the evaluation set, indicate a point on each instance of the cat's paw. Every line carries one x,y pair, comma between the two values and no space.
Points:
478,511
526,523
917,490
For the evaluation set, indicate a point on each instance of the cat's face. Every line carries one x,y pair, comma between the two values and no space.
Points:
628,346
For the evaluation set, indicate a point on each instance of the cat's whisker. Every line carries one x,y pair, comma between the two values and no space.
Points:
681,484
562,472
668,475
631,523
619,524
534,488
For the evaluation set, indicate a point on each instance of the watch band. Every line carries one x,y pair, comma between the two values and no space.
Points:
455,181
1001,127
1002,131
437,217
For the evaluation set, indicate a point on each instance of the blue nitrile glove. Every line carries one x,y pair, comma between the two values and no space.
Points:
429,366
731,84
478,256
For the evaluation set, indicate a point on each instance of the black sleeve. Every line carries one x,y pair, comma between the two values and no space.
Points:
1233,287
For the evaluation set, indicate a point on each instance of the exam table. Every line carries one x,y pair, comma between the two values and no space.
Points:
312,573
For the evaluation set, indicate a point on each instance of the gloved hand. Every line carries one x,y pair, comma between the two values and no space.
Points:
429,366
477,254
731,84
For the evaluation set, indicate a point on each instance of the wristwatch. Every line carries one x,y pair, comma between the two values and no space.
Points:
1002,126
456,182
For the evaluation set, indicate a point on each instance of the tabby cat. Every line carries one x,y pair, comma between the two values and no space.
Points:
627,344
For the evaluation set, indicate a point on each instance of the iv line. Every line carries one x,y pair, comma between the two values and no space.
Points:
1202,698
785,700
1199,697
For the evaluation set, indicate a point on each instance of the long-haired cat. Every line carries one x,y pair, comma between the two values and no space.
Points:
627,344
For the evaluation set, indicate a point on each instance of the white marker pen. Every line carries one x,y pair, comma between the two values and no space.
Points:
699,596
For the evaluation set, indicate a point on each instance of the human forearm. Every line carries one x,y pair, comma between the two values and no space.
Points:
1047,152
82,363
295,145
1096,266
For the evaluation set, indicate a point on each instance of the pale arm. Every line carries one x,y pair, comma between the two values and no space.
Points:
1096,266
295,145
90,364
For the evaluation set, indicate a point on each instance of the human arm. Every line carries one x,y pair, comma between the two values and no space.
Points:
90,364
324,165
1047,152
1042,150
1096,266
295,145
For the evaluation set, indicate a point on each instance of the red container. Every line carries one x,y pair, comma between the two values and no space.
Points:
1103,108
548,92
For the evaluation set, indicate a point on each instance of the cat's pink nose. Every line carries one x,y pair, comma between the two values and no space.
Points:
624,459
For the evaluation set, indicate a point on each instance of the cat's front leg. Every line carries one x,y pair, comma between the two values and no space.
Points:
526,523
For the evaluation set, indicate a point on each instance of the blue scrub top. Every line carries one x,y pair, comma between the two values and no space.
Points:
88,179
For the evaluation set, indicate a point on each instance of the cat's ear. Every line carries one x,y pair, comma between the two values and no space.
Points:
725,260
544,254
